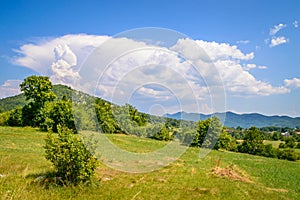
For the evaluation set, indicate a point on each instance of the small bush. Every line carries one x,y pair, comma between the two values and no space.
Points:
4,118
290,142
288,154
282,145
15,117
73,162
163,134
269,151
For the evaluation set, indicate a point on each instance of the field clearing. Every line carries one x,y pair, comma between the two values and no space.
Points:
275,144
22,161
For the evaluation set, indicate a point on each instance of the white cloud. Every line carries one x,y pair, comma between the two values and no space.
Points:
276,28
243,42
262,67
278,41
121,67
295,82
40,55
226,58
295,23
249,66
217,51
63,67
240,82
10,88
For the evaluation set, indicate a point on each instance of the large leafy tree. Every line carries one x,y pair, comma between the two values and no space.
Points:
253,142
106,121
38,90
207,133
213,133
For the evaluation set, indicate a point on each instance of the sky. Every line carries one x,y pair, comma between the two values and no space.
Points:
160,56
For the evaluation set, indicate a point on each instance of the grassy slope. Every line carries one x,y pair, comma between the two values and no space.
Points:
21,161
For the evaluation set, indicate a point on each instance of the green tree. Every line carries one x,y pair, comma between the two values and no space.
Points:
139,118
290,142
15,117
163,134
214,131
269,151
202,129
226,141
276,136
106,121
253,142
191,137
61,115
38,90
208,132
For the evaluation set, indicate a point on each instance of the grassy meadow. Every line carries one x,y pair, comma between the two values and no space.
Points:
220,175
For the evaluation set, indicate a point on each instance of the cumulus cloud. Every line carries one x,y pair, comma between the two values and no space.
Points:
226,58
117,68
63,67
10,88
240,82
221,51
295,82
40,55
276,28
278,41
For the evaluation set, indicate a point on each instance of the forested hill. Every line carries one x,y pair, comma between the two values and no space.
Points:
242,120
10,103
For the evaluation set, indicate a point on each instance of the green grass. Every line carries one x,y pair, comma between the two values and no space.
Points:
22,160
275,144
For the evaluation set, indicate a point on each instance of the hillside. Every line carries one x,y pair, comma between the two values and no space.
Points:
10,103
242,120
23,164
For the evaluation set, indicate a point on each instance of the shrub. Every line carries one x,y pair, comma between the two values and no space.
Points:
282,145
163,134
191,137
226,141
269,151
73,162
287,154
290,142
61,115
253,143
4,118
15,117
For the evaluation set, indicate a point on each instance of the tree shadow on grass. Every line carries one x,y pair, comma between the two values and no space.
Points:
46,179
50,179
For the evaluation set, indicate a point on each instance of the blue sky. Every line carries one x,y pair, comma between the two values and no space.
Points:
266,81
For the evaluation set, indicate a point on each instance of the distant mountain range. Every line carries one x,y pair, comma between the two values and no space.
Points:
243,120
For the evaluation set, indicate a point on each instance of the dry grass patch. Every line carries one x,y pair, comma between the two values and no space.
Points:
231,172
277,189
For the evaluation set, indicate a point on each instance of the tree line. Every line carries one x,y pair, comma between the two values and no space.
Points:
45,111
